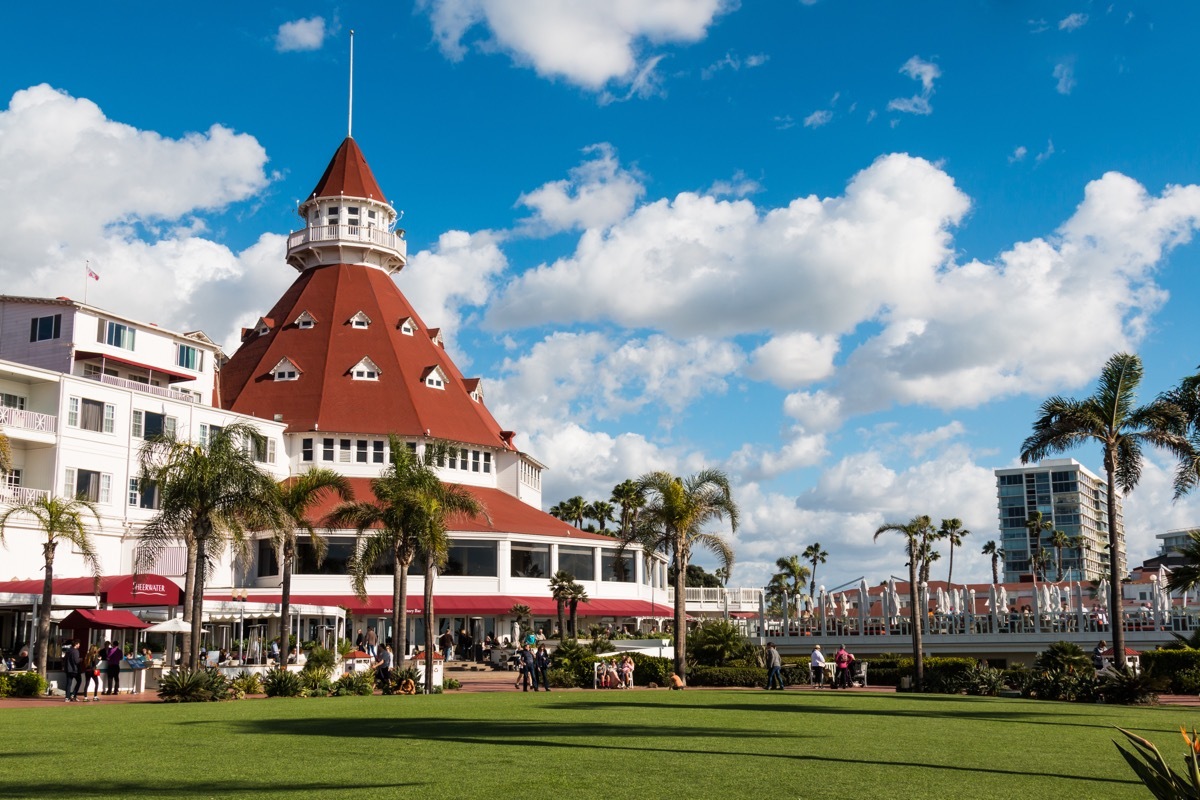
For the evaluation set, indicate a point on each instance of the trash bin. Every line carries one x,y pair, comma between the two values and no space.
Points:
906,683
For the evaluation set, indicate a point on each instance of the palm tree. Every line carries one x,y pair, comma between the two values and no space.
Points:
1058,540
1037,527
1187,575
557,511
576,594
928,555
676,509
1187,396
792,575
388,529
1110,418
602,512
436,502
1041,561
209,496
815,555
295,498
628,499
574,509
6,456
953,532
913,531
997,554
560,590
60,520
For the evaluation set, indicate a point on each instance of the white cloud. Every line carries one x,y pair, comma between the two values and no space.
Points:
1073,22
1018,154
794,359
136,202
301,34
598,193
735,63
1064,75
737,186
919,70
588,44
814,411
818,118
1049,151
784,122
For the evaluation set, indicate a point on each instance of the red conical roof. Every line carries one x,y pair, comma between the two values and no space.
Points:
325,397
348,174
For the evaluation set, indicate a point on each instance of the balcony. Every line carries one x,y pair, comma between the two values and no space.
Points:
28,420
703,598
146,388
17,495
324,244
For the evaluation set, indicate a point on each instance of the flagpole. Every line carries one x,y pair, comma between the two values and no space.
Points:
87,275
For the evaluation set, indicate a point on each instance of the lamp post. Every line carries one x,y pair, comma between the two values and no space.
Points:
239,597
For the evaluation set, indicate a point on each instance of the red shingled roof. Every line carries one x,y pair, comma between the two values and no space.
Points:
325,397
348,174
505,514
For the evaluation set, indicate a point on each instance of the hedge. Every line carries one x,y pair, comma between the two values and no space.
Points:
651,669
727,676
1176,666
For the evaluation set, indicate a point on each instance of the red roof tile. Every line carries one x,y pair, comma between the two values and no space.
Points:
348,174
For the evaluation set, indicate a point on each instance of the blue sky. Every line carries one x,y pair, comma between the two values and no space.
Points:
842,251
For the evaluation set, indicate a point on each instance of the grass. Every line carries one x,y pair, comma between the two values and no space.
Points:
643,745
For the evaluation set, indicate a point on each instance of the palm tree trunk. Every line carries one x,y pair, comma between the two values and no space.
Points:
574,618
285,599
995,569
562,628
198,597
400,611
950,572
429,625
1115,612
189,586
918,619
680,612
42,651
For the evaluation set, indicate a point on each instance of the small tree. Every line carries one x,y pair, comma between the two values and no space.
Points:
997,554
560,590
914,531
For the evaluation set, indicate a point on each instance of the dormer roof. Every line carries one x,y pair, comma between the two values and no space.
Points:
349,175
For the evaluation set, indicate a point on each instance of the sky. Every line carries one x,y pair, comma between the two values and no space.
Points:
841,251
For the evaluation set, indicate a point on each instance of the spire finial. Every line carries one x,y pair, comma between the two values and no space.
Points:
350,111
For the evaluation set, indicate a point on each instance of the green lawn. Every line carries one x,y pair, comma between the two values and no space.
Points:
639,744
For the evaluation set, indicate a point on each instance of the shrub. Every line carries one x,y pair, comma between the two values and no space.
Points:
1172,665
245,683
320,661
280,682
202,685
6,688
727,676
1187,682
451,684
1064,657
315,683
945,675
983,681
1127,686
1152,768
575,661
717,644
1060,685
28,684
562,679
354,683
651,669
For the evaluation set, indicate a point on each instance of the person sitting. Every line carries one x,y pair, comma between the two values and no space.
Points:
614,677
676,682
22,659
407,686
627,671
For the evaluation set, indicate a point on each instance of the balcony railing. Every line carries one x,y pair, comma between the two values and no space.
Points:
704,598
15,495
28,420
348,233
137,386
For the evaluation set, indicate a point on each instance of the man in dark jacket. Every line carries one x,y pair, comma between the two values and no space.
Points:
72,666
541,668
115,654
774,668
528,665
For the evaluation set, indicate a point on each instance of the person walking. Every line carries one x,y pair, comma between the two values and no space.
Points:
115,655
1098,655
91,672
842,660
541,666
817,666
73,669
528,665
360,641
774,668
383,668
372,640
446,642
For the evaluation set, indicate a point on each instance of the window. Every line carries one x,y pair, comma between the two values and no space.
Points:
207,432
453,458
331,215
407,327
352,216
90,415
365,370
487,462
115,334
360,320
474,461
306,449
530,560
305,320
377,455
43,328
95,487
327,449
361,451
147,425
469,558
261,449
285,370
617,569
12,401
435,378
268,561
143,497
579,561
1011,480
189,357
344,451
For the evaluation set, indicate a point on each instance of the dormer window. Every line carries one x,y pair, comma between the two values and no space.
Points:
475,387
407,326
360,320
305,320
436,335
286,370
263,326
434,378
365,370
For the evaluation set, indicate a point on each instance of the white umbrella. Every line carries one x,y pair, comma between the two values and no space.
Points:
844,605
175,625
1002,603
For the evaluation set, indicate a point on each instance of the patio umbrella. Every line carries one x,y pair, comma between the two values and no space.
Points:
176,625
1002,602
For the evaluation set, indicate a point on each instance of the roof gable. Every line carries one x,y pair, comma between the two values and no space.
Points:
348,174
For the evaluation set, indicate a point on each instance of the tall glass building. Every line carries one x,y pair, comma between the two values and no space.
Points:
1073,500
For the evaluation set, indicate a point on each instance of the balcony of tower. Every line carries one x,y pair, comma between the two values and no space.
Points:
320,245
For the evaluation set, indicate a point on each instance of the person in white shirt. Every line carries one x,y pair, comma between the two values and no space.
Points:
817,664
